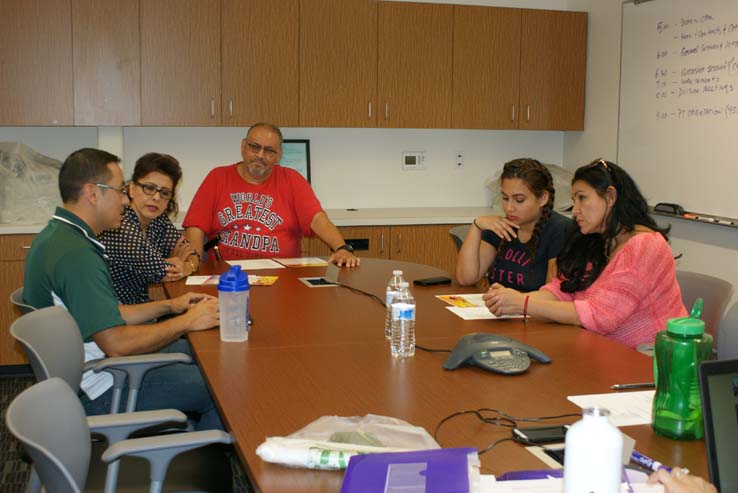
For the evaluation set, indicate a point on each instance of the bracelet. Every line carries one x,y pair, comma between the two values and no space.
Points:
194,269
474,222
525,307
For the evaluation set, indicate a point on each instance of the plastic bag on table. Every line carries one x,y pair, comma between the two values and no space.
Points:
330,441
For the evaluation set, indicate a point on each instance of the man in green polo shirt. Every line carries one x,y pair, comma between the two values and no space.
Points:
67,266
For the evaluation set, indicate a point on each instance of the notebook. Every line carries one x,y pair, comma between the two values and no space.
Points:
719,389
450,470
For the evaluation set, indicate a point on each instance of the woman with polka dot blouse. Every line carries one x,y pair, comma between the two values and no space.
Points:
147,248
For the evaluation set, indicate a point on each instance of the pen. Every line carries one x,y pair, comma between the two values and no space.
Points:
647,462
216,250
631,386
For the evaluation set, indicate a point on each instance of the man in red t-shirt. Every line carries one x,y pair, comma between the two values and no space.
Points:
259,209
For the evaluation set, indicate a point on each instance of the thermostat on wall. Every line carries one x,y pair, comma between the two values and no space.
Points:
413,160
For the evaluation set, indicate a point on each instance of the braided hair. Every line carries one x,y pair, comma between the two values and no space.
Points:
585,256
539,180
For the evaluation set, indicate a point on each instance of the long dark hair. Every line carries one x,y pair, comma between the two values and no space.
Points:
164,164
585,256
539,180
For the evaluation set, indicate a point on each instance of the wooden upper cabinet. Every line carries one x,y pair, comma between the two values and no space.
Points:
486,67
180,62
338,63
107,69
552,70
415,53
36,63
260,62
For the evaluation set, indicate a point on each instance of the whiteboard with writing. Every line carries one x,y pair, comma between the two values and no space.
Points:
678,127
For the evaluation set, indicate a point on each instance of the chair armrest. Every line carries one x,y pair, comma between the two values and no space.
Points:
137,366
161,449
117,427
89,365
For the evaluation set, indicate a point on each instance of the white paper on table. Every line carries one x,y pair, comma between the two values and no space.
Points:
302,262
200,280
477,313
553,485
626,408
255,264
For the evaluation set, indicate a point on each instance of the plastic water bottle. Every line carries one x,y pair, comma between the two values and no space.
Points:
233,296
402,343
593,459
393,287
677,406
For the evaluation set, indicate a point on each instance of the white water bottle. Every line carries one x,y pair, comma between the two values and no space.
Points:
402,343
593,455
393,287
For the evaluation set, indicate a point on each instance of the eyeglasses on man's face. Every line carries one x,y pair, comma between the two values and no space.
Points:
121,190
151,190
255,148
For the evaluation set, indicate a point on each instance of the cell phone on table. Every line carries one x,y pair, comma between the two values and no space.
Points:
540,434
432,281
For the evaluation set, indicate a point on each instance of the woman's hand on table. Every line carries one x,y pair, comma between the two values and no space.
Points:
680,481
176,270
503,301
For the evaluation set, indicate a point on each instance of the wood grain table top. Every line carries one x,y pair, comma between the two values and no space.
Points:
314,352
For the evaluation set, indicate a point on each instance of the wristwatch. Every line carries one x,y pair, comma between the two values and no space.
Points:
346,247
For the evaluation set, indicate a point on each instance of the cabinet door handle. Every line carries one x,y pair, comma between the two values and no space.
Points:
212,107
26,247
230,107
381,243
370,111
513,113
527,112
399,237
386,111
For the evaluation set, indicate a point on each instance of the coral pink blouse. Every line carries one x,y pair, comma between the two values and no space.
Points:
635,294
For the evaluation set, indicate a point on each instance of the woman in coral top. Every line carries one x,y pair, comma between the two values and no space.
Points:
616,275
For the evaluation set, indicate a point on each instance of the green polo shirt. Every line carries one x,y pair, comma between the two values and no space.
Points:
67,266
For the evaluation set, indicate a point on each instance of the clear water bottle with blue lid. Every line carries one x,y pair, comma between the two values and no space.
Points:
233,296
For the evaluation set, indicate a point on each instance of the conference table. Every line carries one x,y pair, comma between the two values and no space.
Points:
321,351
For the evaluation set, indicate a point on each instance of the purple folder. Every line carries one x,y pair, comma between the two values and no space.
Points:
424,471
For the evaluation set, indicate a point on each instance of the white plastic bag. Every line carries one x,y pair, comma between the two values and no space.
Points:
330,441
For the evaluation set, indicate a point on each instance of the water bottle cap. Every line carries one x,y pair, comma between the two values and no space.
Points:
396,272
403,284
595,411
685,326
234,280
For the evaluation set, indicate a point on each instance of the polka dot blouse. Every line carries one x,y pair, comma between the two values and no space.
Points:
138,259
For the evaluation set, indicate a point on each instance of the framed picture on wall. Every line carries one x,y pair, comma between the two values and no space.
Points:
296,155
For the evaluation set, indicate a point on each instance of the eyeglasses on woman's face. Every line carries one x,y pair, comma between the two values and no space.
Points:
150,189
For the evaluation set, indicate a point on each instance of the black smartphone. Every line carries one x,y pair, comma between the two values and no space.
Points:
432,281
540,434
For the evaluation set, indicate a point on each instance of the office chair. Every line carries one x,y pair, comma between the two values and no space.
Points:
458,233
16,297
53,344
715,291
727,334
58,439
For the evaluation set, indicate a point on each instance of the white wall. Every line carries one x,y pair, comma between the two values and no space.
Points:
709,249
361,168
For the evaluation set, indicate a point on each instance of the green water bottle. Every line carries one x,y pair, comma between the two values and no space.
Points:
677,407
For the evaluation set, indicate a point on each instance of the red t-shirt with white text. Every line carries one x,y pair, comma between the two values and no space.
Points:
254,220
